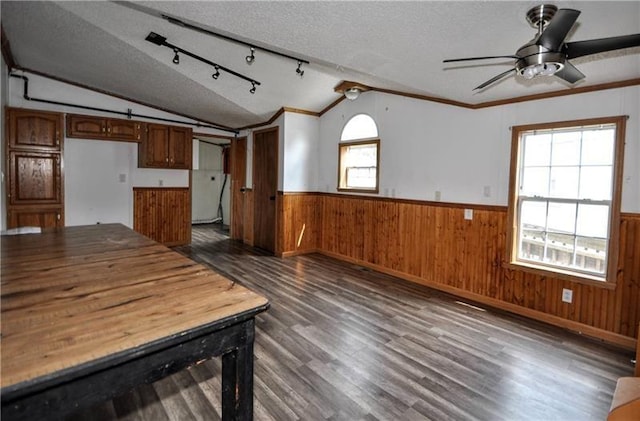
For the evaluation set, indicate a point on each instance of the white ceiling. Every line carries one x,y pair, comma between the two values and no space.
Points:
390,45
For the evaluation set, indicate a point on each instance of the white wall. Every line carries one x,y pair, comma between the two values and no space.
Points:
94,169
300,152
205,191
428,147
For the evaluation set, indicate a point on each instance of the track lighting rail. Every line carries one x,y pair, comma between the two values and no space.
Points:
162,41
228,38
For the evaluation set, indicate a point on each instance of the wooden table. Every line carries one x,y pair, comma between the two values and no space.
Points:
90,312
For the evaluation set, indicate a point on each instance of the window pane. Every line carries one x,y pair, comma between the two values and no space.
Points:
593,220
560,248
565,148
361,156
532,245
561,217
537,150
564,182
597,147
595,183
533,215
360,126
361,178
535,181
591,254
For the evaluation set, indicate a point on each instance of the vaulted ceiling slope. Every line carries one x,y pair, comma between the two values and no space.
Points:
397,46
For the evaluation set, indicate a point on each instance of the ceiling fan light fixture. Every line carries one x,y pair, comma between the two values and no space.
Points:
541,69
352,93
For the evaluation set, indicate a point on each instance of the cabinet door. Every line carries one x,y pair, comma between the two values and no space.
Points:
34,178
180,142
153,150
35,217
29,129
127,130
86,127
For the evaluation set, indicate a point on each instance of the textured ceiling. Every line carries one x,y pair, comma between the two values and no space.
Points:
390,45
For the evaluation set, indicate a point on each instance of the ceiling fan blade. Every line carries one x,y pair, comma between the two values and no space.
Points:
495,79
595,46
570,73
476,58
554,34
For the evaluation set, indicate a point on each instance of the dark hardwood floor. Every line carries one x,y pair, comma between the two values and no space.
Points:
344,343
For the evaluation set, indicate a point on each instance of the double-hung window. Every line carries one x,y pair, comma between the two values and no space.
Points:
565,197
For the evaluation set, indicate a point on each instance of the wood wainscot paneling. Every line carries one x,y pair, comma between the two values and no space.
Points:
300,219
163,214
432,244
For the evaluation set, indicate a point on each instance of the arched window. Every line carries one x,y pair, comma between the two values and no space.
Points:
359,155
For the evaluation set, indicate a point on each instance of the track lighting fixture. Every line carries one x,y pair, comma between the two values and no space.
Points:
162,41
251,58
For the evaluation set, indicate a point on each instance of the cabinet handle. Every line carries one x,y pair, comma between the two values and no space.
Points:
58,215
108,129
57,138
166,160
104,129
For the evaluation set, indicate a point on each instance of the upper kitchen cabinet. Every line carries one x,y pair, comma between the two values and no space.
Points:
34,130
92,127
166,147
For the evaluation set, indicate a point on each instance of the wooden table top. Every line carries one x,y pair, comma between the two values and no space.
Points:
80,295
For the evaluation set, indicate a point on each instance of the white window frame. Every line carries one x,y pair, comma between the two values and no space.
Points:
516,200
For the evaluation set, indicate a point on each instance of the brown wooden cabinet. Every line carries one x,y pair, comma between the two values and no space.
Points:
29,129
35,217
35,183
166,147
102,128
35,178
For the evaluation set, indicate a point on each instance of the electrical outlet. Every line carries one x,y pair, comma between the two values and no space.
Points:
468,214
567,295
160,183
122,178
486,191
438,195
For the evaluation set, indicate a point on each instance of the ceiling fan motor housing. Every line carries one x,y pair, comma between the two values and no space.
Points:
540,16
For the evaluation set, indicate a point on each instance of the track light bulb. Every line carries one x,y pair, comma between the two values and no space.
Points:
299,71
251,58
216,75
253,88
176,58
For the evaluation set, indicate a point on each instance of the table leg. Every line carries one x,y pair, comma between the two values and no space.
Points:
237,380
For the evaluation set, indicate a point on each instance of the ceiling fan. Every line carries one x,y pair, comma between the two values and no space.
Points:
547,54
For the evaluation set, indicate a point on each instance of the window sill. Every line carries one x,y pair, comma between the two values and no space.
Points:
577,277
356,190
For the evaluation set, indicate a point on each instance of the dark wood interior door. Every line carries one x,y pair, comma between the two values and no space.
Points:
265,185
238,184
